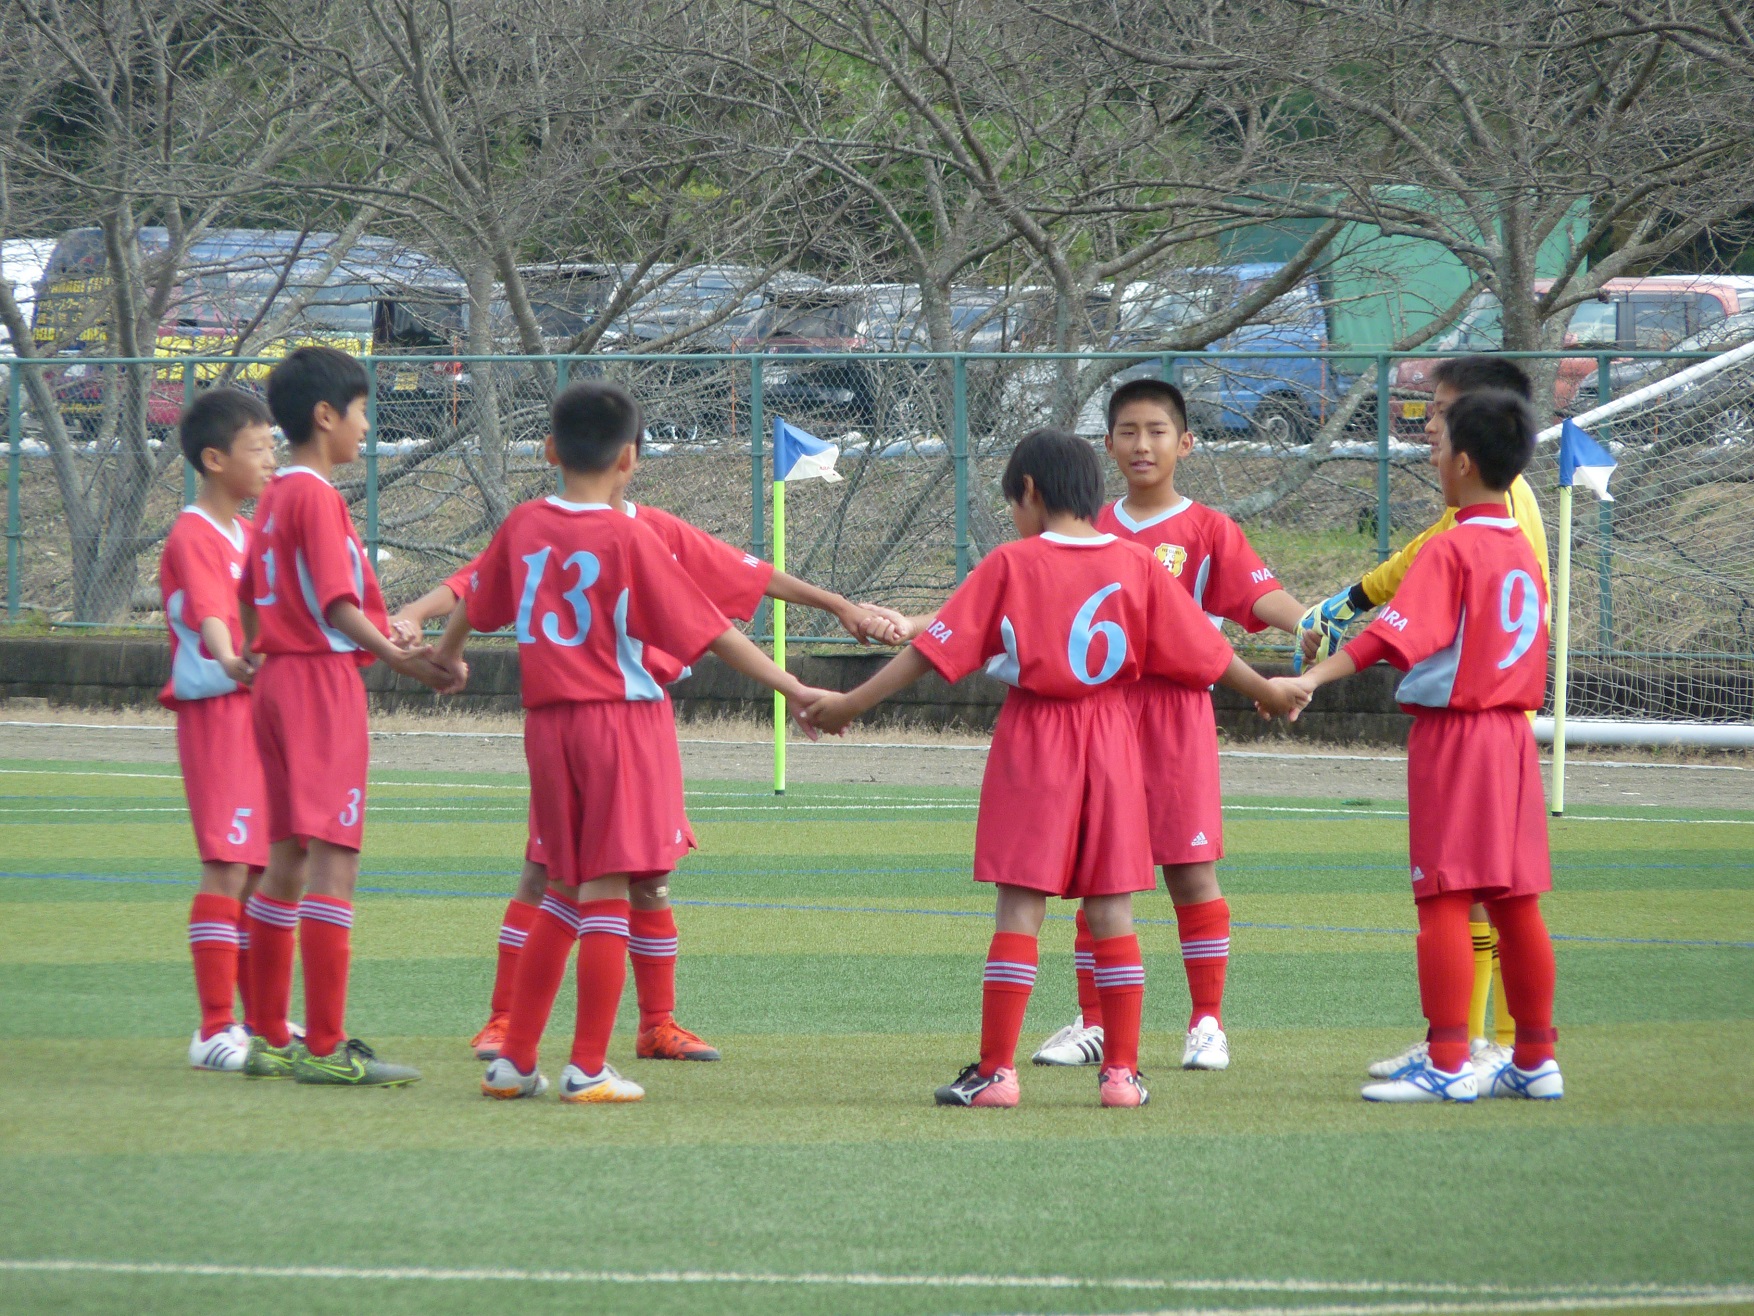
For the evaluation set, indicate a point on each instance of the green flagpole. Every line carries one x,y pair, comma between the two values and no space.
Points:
779,636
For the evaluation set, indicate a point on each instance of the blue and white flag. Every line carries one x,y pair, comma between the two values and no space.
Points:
1582,458
798,455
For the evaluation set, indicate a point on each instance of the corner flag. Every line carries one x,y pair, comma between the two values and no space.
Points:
801,456
1581,457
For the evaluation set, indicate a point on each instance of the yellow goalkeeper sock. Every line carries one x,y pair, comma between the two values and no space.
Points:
1503,1026
1483,945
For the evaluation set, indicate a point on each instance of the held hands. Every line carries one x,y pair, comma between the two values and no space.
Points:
871,623
447,675
405,632
1286,697
800,705
240,667
831,713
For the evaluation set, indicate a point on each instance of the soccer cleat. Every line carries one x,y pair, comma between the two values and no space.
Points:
223,1053
1072,1045
296,1030
1395,1066
491,1038
504,1081
971,1088
264,1060
1542,1083
1421,1082
1206,1047
352,1064
1122,1087
580,1088
669,1040
1485,1054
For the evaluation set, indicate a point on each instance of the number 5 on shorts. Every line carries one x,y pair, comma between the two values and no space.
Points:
240,827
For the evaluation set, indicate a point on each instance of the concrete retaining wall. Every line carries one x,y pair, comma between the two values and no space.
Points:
128,673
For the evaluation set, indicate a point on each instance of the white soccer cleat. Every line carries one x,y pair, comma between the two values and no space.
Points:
1542,1083
1395,1066
1485,1054
1206,1047
505,1082
1421,1082
1072,1045
223,1053
580,1087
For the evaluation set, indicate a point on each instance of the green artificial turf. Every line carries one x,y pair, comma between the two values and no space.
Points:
832,944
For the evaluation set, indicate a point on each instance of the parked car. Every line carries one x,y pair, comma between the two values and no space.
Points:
1716,407
1644,314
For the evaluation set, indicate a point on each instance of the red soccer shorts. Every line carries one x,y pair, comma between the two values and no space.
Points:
1063,800
311,730
1476,813
1178,741
222,776
606,782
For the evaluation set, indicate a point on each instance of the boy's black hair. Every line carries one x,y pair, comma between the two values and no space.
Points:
592,421
308,376
1466,374
215,419
1160,391
1065,469
1497,429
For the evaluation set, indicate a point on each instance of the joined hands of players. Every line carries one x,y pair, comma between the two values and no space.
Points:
801,705
1287,697
241,667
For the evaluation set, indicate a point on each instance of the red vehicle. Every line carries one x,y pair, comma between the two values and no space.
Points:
1645,315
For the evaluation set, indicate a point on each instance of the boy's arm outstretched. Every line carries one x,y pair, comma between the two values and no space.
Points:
739,653
834,711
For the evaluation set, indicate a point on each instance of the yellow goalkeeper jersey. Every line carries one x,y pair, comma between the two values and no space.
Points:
1380,584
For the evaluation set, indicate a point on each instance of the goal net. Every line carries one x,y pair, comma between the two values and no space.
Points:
1662,577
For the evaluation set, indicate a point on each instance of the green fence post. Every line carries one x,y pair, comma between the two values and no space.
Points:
14,452
1605,521
188,398
1382,457
371,460
959,451
757,478
562,376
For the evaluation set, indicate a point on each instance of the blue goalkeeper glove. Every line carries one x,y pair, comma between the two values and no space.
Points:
1327,621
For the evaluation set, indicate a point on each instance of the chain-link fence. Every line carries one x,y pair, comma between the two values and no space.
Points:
1325,475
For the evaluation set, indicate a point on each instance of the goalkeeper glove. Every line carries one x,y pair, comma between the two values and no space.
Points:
1328,621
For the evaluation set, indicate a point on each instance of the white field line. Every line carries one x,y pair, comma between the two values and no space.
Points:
1492,1296
1465,1308
1291,757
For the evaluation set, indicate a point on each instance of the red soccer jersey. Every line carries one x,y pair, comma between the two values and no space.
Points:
1206,551
1469,623
306,557
1066,618
198,578
586,590
735,581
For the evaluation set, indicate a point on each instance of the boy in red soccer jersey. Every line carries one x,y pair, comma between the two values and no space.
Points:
1072,618
736,582
1210,557
227,437
1469,627
604,615
319,617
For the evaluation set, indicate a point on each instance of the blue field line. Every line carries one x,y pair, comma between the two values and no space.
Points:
786,907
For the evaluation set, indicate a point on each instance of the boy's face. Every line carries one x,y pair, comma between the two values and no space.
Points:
1443,397
1146,443
342,433
244,471
1028,514
1452,467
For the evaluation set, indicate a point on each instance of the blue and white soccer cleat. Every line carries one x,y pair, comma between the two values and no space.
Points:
1542,1083
1206,1046
1421,1082
1395,1066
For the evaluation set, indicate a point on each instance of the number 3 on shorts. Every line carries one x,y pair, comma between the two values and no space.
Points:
350,811
240,827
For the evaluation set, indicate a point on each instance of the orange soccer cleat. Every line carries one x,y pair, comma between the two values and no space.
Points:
669,1040
491,1038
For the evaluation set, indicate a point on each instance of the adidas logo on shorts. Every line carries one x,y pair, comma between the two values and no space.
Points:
1199,839
1418,873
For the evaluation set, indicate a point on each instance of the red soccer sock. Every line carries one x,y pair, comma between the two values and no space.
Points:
1446,976
602,974
325,946
514,929
651,945
1006,984
1525,952
246,984
269,924
1120,977
213,945
541,966
1205,938
1084,960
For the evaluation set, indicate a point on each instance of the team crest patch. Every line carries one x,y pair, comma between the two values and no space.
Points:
1173,556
